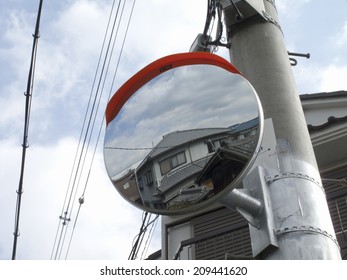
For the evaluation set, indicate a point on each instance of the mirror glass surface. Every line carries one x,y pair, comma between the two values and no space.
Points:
183,139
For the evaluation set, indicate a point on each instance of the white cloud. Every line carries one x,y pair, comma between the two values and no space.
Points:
172,29
333,78
315,78
291,8
106,225
14,58
341,39
78,29
16,40
68,50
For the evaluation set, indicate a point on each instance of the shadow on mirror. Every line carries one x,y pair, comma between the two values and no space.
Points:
183,138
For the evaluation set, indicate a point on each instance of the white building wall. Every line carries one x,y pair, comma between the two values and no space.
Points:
175,235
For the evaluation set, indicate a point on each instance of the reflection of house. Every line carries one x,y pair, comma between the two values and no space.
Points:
126,185
220,233
233,154
173,164
167,177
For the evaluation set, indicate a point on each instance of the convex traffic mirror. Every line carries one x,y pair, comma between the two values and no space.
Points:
181,133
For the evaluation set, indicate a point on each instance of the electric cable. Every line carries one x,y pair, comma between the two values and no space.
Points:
215,7
84,121
28,99
79,150
101,125
132,255
97,110
81,200
211,7
150,236
90,136
138,239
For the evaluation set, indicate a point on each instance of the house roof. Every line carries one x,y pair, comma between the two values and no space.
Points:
328,101
177,138
245,125
326,118
323,95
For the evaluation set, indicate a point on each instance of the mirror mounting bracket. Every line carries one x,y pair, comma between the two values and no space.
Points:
264,236
253,202
243,202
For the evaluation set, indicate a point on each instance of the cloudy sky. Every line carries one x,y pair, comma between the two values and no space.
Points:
71,36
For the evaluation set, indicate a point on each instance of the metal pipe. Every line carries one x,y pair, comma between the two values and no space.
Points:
238,198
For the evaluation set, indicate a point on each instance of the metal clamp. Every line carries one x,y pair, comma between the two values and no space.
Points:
305,229
271,179
269,18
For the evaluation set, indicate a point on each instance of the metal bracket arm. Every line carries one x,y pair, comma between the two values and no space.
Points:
241,201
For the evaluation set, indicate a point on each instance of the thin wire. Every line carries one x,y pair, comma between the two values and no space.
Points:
90,135
150,235
89,122
84,121
100,129
211,7
73,230
91,114
138,240
80,150
99,100
134,250
28,95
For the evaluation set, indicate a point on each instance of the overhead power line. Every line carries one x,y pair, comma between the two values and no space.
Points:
81,199
138,240
87,131
81,148
58,238
25,145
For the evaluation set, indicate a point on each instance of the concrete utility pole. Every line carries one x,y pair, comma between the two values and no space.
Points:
303,225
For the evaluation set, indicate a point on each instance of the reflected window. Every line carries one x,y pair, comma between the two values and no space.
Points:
148,178
172,162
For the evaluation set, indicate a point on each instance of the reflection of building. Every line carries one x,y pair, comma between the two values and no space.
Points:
181,168
220,233
233,154
126,185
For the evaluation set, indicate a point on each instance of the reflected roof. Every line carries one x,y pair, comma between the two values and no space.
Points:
245,125
177,138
